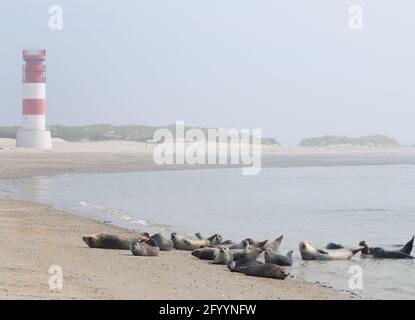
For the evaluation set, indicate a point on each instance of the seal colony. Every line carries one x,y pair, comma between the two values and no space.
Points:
243,256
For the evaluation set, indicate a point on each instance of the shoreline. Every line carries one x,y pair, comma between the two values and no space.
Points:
36,236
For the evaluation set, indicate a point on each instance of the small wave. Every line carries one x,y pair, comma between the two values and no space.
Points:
120,214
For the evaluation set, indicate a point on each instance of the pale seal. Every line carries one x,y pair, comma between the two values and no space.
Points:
182,243
223,256
274,244
214,240
144,249
309,253
275,258
160,241
205,253
110,241
266,270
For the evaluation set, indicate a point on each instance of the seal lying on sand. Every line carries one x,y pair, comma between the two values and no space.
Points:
309,253
377,252
247,256
242,244
182,243
160,241
275,258
144,249
274,244
223,256
110,241
266,270
334,246
205,253
214,240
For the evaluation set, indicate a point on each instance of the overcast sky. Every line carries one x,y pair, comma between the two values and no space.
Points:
291,68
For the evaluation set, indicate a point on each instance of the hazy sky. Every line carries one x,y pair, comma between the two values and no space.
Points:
291,68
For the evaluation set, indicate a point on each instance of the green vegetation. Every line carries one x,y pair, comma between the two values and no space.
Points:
374,140
100,132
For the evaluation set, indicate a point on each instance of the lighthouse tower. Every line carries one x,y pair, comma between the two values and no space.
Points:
33,133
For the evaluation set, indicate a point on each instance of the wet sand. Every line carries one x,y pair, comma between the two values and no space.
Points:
35,237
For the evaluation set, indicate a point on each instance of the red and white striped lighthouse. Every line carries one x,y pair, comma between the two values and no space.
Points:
33,133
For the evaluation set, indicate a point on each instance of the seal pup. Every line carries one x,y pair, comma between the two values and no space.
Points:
274,244
205,253
378,252
223,256
111,241
160,241
275,258
144,249
182,243
334,246
266,270
309,253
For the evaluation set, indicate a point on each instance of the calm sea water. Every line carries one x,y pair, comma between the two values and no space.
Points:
317,204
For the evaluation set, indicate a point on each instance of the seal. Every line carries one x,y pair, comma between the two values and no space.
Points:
110,241
182,243
160,241
309,253
223,256
334,246
240,245
205,253
214,240
144,249
274,244
275,258
266,270
247,256
378,252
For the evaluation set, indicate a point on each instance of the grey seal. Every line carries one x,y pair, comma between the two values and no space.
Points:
266,270
274,244
205,253
309,253
160,241
275,258
144,249
378,252
334,246
111,241
241,245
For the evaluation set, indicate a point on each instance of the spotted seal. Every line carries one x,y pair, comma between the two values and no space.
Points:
309,253
144,249
266,270
111,241
273,257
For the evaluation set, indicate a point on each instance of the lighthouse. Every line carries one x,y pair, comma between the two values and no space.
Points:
33,133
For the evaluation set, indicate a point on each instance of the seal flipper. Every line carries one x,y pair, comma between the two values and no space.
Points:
356,250
261,244
198,235
322,251
408,247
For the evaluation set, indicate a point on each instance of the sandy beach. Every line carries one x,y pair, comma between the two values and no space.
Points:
36,236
